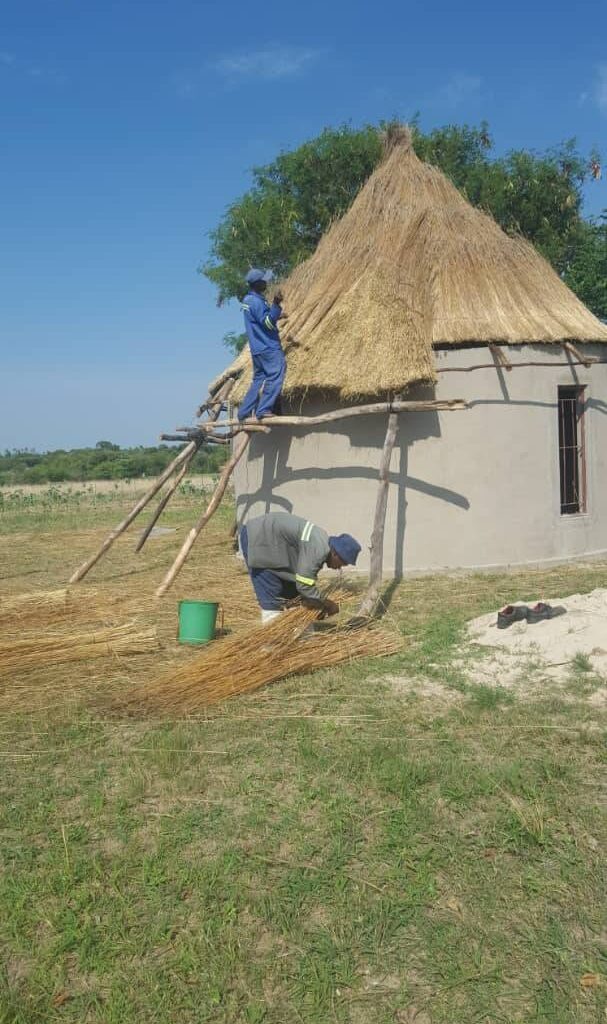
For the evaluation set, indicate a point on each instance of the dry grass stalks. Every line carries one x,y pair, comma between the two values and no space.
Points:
52,606
251,660
52,649
410,265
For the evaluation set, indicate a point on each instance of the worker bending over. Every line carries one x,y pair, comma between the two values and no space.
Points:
269,364
285,553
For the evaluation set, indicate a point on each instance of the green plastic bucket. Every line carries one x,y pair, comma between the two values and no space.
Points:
197,621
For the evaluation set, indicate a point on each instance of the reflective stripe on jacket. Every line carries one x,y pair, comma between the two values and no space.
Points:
260,321
292,547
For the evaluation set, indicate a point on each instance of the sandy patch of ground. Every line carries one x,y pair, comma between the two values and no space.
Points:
546,648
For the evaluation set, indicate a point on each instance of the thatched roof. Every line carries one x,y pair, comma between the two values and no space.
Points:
412,265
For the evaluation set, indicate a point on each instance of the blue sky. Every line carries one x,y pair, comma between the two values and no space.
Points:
128,127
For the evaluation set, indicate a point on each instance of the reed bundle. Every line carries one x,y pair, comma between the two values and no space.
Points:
49,606
254,658
52,649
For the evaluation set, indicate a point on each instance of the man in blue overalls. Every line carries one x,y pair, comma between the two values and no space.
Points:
269,364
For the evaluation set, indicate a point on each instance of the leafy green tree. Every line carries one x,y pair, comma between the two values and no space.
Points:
294,199
99,463
234,342
292,203
586,273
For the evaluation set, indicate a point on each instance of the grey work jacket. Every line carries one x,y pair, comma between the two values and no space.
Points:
292,547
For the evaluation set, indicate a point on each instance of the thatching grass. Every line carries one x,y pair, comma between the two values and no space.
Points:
253,659
45,607
409,266
17,654
45,630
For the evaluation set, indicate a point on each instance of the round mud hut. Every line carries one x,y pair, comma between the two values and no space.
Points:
415,294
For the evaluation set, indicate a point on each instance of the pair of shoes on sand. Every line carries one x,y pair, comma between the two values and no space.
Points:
517,612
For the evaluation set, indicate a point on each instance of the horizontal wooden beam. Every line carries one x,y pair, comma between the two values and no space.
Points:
516,366
210,439
430,405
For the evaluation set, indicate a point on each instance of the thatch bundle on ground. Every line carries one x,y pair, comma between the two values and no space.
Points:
18,654
410,266
39,608
252,659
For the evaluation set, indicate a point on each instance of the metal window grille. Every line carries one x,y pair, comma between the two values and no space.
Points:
572,462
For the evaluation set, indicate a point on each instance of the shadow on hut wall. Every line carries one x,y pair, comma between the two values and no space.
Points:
362,433
504,376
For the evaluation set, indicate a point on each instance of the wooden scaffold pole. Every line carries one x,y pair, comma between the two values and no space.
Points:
369,601
398,405
214,415
175,465
240,446
181,462
214,432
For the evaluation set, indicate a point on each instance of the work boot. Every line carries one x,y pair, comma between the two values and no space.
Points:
511,613
542,611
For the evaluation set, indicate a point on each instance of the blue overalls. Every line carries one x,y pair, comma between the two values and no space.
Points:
269,364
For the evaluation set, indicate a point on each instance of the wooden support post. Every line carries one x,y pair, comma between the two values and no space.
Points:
183,456
240,446
575,352
213,417
500,357
165,500
369,601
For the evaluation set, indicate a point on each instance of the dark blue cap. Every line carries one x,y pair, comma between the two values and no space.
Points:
256,275
346,547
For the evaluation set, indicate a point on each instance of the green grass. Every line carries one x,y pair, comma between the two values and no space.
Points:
61,509
581,663
381,843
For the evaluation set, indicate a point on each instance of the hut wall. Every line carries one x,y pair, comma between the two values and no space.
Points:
472,489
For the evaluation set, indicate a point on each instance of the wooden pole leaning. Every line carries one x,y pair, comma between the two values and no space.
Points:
213,416
162,504
581,357
240,446
371,597
183,456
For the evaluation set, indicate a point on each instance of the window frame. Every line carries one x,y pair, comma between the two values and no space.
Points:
579,395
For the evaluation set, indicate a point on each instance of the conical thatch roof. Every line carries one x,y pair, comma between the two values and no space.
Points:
409,266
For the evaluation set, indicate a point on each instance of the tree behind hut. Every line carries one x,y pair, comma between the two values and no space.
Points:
294,199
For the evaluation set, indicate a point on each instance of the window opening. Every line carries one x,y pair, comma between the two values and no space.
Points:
571,450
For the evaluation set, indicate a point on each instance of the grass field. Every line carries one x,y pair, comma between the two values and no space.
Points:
387,842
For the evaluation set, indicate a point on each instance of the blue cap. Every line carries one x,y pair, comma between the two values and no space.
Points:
256,275
346,547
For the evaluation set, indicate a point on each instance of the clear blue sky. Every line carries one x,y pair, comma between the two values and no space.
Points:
127,127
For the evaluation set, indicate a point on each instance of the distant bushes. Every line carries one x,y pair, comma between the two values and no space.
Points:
106,461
